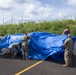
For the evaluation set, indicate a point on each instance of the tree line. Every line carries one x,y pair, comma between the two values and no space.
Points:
56,27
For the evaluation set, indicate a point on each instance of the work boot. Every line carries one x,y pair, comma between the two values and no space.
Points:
26,58
14,57
23,58
66,65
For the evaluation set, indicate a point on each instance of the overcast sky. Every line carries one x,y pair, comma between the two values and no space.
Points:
36,9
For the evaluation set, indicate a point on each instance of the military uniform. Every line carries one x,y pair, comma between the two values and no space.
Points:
25,46
68,52
66,31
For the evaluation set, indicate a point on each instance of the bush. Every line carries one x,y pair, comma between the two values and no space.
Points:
52,27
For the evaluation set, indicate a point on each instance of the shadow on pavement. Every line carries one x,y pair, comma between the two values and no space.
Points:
50,59
8,56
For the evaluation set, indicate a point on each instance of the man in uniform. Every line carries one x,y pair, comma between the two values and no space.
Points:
66,31
68,51
25,45
14,49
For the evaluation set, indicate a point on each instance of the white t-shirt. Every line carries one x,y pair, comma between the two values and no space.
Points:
13,45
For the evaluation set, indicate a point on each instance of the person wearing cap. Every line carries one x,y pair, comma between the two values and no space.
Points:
1,37
25,39
68,51
14,49
66,31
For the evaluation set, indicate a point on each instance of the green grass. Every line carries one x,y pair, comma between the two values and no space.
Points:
52,27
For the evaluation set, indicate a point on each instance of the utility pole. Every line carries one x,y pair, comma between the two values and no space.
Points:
3,20
12,19
22,17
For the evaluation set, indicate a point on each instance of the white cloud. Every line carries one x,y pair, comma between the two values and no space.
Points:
6,4
34,9
37,10
31,9
61,14
72,2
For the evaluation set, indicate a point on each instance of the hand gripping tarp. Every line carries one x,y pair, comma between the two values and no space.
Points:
41,46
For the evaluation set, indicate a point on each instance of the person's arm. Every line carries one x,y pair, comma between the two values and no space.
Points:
65,43
29,37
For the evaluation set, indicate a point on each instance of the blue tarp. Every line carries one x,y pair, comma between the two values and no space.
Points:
41,46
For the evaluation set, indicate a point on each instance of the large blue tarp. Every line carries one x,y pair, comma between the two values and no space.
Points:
41,46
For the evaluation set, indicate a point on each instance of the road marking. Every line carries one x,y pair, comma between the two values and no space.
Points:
28,68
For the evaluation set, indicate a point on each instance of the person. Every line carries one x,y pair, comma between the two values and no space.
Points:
14,49
25,39
66,31
68,51
0,38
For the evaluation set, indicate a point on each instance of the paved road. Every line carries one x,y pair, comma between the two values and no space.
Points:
10,66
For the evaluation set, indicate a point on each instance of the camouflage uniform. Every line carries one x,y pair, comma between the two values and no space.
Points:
25,46
68,51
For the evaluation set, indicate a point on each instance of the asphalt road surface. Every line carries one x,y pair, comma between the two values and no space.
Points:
18,66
